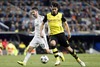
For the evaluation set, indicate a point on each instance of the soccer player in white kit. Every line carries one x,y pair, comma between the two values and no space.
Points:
37,40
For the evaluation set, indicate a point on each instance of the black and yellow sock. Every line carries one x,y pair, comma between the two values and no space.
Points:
74,54
55,52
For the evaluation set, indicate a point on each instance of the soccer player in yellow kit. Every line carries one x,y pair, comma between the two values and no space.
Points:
56,21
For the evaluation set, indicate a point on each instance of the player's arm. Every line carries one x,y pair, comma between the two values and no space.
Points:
66,26
42,25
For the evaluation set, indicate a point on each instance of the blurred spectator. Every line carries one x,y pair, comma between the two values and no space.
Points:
22,28
4,43
17,27
0,30
1,51
1,47
12,27
7,21
11,49
78,46
30,27
21,48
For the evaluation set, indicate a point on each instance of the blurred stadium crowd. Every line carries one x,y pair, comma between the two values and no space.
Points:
82,15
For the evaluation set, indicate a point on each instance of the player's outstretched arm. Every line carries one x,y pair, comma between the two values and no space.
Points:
67,29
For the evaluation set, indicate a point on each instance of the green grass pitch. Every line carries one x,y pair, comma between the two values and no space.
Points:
91,60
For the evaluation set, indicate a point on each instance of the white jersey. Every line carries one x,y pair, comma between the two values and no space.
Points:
37,40
37,24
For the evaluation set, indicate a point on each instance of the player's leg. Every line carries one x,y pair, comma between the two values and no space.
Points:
73,53
55,52
44,45
28,54
64,43
54,49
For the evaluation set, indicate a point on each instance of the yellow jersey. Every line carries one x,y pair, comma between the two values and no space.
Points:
55,23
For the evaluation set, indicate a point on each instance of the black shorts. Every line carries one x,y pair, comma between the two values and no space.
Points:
60,39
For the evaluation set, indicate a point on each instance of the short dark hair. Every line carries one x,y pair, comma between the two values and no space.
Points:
55,4
35,8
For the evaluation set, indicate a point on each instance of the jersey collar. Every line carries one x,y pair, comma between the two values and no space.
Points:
54,14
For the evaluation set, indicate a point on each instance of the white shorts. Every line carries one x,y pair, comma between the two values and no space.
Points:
38,41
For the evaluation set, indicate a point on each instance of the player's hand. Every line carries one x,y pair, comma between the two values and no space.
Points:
69,36
41,34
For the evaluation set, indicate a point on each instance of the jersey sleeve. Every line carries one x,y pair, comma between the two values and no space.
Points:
63,18
45,19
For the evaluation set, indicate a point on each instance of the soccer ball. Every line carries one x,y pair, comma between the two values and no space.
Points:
44,59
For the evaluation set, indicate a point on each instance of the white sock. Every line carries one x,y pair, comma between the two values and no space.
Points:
27,57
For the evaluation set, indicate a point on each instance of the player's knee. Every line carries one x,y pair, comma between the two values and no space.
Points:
30,49
53,43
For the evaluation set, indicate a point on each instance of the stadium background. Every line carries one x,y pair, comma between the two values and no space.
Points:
83,17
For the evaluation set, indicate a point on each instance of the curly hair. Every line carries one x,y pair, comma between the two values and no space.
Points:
55,4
